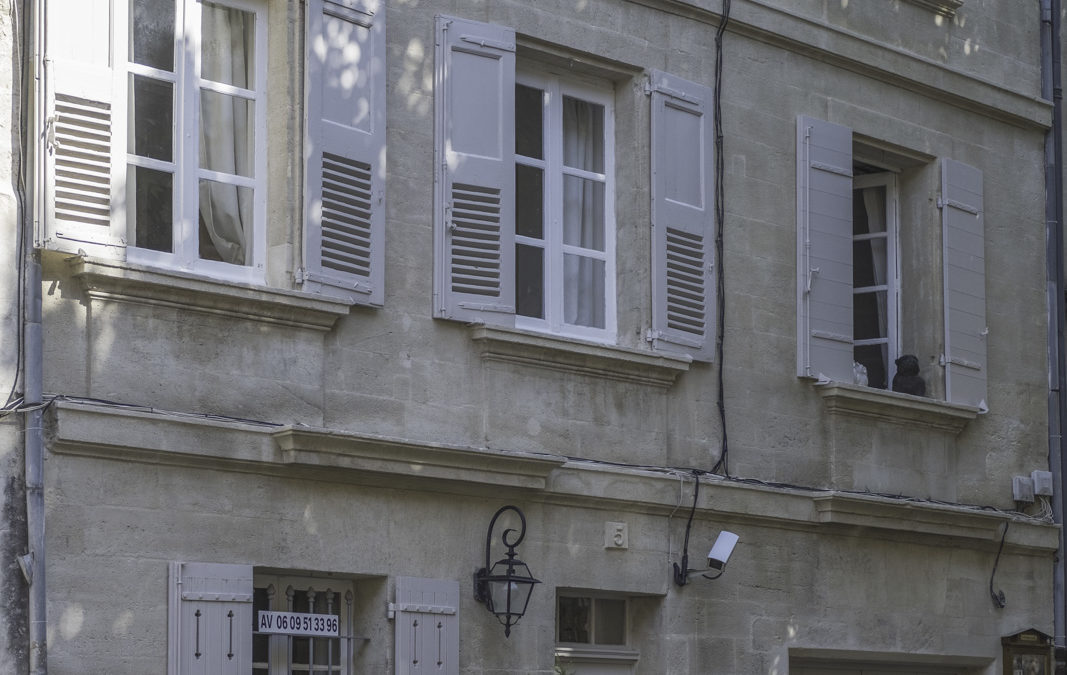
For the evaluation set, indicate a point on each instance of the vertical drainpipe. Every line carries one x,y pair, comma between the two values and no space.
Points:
33,361
1057,401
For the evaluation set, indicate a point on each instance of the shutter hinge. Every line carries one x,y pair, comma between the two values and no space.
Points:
300,275
651,335
50,133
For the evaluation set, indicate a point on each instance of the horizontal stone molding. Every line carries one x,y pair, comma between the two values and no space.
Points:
577,356
942,7
775,23
125,282
133,433
891,406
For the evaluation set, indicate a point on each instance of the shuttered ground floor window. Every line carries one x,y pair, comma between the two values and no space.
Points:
302,625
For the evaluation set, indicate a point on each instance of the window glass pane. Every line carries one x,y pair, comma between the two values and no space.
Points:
868,262
529,124
152,33
876,359
869,315
529,201
227,45
530,281
260,643
583,291
226,133
583,135
149,201
151,126
583,213
225,222
573,620
610,623
868,210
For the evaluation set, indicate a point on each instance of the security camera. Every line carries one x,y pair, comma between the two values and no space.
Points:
722,549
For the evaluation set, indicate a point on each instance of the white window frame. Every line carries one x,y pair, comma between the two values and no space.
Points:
185,165
280,645
888,180
555,88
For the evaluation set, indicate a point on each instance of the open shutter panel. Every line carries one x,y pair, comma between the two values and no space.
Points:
344,232
76,144
963,231
683,221
474,215
824,250
427,626
214,633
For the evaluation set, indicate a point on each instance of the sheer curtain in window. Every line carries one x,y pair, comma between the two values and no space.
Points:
226,133
874,204
583,213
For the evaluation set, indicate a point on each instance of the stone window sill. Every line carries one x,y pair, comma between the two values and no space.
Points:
891,406
577,356
127,282
593,654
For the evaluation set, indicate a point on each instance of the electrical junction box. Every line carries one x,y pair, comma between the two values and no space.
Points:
1022,488
1042,482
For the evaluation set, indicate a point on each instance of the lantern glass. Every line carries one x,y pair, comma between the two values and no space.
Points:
509,588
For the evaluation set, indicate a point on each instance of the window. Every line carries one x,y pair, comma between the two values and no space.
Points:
154,145
564,219
848,283
874,275
196,89
524,222
591,621
592,634
280,654
220,622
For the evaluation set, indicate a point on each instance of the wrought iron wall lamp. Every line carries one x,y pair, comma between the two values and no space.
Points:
505,587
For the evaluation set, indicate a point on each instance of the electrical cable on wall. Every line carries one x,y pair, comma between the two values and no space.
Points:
720,217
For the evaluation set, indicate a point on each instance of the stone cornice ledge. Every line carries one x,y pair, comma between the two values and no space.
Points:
891,406
126,282
322,448
942,7
576,356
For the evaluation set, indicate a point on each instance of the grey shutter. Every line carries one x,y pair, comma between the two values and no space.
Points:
211,631
474,209
344,199
683,220
427,626
75,147
963,233
824,250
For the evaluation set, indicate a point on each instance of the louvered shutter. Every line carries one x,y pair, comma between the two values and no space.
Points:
427,626
76,145
474,210
211,619
824,250
344,199
683,221
963,233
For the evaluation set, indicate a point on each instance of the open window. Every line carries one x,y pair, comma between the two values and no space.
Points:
853,303
524,217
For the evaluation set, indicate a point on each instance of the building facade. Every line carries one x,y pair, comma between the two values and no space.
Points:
322,285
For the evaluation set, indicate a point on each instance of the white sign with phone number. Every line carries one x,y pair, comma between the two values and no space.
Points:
292,623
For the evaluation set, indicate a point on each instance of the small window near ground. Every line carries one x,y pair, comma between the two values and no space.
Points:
302,625
591,621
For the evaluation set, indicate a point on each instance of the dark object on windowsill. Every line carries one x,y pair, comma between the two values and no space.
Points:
907,379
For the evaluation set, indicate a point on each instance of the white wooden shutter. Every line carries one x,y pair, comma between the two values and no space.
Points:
427,626
474,209
683,220
344,199
963,233
75,146
824,250
211,619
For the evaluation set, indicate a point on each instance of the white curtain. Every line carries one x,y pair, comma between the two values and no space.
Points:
874,204
583,214
226,125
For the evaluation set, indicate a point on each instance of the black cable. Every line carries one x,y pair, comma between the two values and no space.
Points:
681,573
20,200
720,217
998,596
